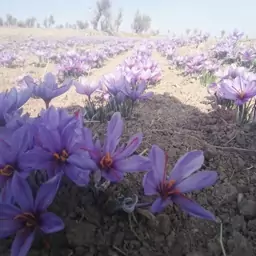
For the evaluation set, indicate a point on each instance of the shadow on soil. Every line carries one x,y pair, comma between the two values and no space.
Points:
176,128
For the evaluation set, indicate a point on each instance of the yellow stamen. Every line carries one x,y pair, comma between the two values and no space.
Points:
7,170
106,161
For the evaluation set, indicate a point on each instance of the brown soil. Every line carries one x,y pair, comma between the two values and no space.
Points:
179,118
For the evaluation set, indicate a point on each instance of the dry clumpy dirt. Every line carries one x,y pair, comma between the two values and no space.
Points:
179,118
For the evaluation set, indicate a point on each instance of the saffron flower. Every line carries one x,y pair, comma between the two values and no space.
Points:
112,160
59,150
31,215
182,179
239,90
12,149
11,101
48,89
137,91
86,88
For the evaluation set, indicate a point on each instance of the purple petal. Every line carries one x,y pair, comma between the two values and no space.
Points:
22,193
159,205
8,227
79,176
22,243
8,211
114,132
134,163
186,165
37,159
158,160
113,175
197,181
82,160
132,145
150,184
50,223
192,208
46,193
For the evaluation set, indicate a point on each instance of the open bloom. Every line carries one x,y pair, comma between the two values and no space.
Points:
48,89
12,148
11,101
114,161
182,179
86,88
137,91
239,90
59,150
30,216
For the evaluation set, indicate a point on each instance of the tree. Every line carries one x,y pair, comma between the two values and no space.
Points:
222,32
30,22
119,20
141,23
188,31
103,8
46,22
82,24
1,22
51,21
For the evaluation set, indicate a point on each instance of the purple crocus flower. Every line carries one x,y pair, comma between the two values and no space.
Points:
114,161
12,147
11,101
114,82
182,179
30,216
86,88
137,91
48,89
59,150
239,90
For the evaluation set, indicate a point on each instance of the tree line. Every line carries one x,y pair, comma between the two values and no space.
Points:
103,20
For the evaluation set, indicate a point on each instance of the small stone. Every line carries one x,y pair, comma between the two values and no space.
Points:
80,234
164,224
226,192
252,225
248,208
144,252
214,248
118,239
238,223
195,254
239,245
171,239
80,251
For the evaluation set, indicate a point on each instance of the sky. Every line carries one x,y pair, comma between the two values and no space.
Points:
176,16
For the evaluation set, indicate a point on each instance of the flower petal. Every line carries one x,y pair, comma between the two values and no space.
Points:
197,181
8,227
192,208
22,193
8,211
186,165
150,184
50,223
22,243
79,176
134,163
36,159
114,132
132,145
159,205
82,160
46,193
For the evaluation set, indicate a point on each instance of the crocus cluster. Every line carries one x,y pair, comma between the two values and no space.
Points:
76,64
56,144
